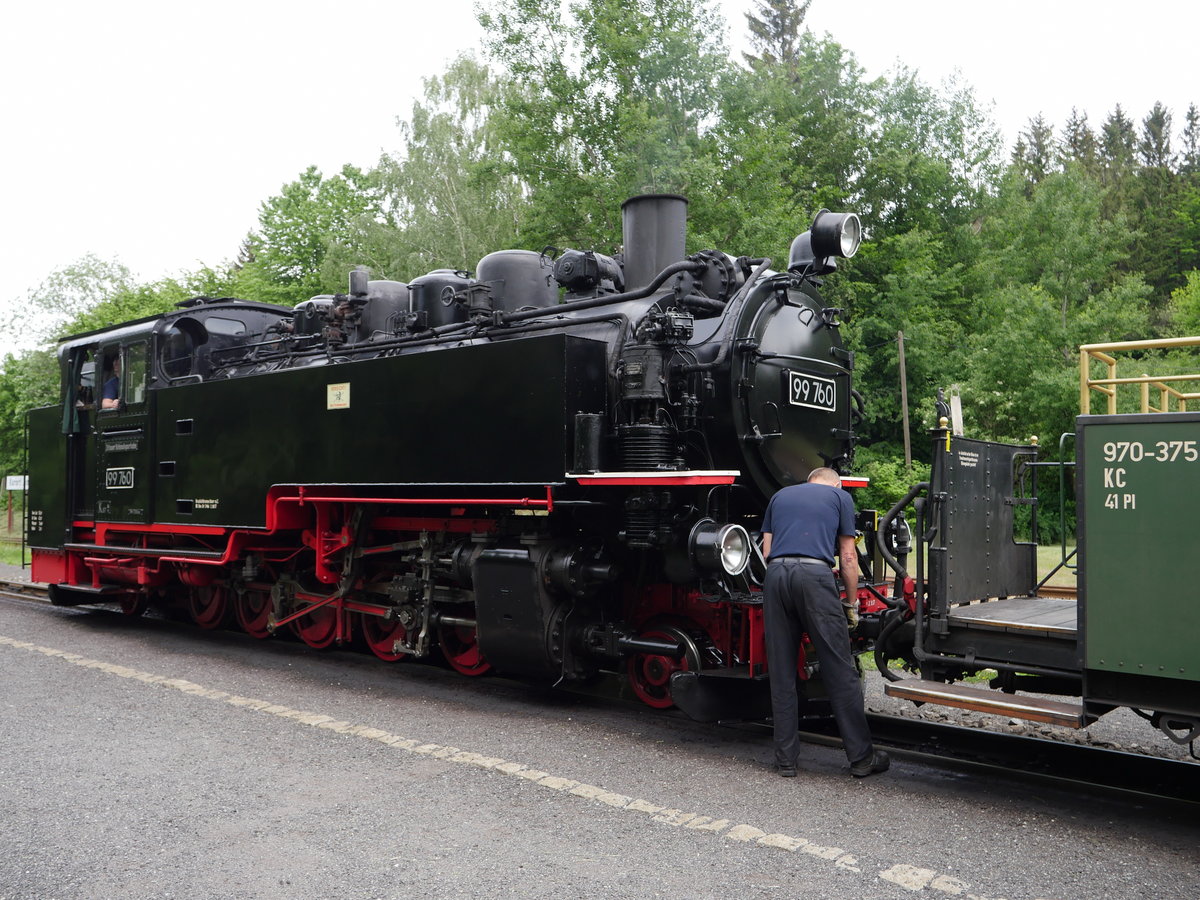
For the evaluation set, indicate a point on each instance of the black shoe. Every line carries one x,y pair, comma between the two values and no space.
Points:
786,771
877,762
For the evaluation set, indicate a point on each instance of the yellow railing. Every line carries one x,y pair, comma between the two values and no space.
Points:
1162,384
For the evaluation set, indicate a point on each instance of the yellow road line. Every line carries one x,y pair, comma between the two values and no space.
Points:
905,876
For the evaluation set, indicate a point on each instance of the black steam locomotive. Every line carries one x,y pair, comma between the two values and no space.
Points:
549,469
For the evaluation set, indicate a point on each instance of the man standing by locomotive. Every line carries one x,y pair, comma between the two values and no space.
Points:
807,526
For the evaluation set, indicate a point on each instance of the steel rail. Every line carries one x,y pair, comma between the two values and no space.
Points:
1074,768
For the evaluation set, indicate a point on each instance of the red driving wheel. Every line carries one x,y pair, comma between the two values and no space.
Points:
381,636
134,605
318,628
460,646
650,673
208,605
253,610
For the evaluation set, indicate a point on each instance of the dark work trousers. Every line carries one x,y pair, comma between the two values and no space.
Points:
800,595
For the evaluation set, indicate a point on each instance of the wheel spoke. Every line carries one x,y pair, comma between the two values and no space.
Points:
253,609
318,628
134,605
382,635
460,646
209,605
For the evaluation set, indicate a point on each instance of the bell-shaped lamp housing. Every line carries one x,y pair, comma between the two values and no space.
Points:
717,548
831,235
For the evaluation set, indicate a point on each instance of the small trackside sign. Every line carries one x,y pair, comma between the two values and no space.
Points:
118,479
337,396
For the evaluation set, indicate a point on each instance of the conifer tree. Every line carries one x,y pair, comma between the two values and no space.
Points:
1154,148
1078,141
1037,150
1189,157
1117,142
774,29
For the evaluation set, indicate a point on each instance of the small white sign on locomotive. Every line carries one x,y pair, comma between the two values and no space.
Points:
338,396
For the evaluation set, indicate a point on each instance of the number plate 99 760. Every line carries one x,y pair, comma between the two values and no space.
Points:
810,390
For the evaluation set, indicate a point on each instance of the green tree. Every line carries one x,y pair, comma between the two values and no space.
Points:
1154,146
27,381
1189,157
1049,278
1118,142
921,293
608,100
775,29
1186,212
1035,156
130,301
1078,143
86,295
1118,148
283,259
934,155
1153,201
52,309
1185,306
450,191
789,139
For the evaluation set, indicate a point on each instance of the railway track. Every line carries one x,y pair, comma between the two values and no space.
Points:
1052,590
1067,766
24,589
1071,767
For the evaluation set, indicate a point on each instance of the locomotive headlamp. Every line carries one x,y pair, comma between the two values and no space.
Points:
831,235
836,234
723,548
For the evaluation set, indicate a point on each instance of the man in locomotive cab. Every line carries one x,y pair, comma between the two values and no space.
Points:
111,396
805,528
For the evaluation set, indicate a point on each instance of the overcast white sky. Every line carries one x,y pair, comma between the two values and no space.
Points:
151,131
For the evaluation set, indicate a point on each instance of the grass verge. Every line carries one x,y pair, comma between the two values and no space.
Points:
10,554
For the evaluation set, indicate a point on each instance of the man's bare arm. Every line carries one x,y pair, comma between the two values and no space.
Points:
848,558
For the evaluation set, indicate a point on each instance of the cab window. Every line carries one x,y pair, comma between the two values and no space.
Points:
109,393
123,377
220,325
79,389
133,383
176,351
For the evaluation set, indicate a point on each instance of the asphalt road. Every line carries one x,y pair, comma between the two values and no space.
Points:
143,758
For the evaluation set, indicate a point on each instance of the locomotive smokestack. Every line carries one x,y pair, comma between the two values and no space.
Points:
654,228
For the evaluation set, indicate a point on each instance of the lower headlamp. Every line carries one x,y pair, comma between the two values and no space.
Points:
719,548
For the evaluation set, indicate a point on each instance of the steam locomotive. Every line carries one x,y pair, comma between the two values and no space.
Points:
553,469
549,469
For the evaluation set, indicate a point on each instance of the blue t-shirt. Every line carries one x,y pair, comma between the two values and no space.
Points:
112,388
806,520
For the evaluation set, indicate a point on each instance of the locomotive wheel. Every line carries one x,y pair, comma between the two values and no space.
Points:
381,635
650,673
253,609
461,649
208,605
134,605
318,628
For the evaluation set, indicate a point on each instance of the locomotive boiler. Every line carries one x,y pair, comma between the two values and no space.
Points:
550,468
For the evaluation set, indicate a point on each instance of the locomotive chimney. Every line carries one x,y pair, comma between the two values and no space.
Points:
654,228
